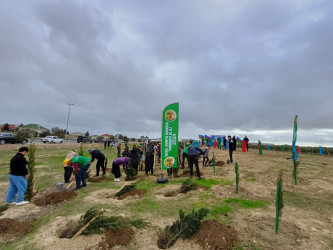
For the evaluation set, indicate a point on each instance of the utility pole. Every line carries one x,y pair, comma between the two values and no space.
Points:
69,111
118,128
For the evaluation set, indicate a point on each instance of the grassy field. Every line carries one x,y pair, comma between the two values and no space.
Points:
306,222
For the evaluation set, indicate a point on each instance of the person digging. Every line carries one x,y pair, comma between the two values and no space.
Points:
81,164
96,154
116,166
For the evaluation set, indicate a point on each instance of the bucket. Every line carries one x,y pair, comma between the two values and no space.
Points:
60,186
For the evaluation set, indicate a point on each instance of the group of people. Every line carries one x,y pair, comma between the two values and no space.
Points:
79,164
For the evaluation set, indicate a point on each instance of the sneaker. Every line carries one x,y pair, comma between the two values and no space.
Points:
199,178
11,203
116,179
77,188
22,203
83,185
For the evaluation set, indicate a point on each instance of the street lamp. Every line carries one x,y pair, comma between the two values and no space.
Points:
69,110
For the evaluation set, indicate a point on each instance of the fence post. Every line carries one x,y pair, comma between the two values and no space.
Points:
277,209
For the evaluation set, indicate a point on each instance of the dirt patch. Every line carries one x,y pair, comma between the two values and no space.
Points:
219,163
14,227
186,173
133,192
171,193
70,229
113,238
99,179
54,198
213,235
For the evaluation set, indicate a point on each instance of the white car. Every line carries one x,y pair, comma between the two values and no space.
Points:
52,139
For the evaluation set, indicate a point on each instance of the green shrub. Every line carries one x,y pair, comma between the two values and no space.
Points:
188,185
184,227
130,172
111,222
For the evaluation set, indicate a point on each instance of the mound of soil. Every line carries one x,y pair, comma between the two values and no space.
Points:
133,192
219,163
213,235
14,227
99,179
116,237
186,173
54,198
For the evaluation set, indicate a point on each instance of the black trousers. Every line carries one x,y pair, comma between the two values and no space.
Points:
68,173
159,156
230,155
205,161
115,170
135,165
149,167
184,156
194,159
100,164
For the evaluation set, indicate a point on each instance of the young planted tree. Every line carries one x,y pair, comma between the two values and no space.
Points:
29,193
279,201
260,148
81,150
81,153
237,177
214,163
184,227
130,172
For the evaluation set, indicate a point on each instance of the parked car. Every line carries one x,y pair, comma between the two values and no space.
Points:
11,138
84,139
52,139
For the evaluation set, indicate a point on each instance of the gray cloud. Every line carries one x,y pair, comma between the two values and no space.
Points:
249,66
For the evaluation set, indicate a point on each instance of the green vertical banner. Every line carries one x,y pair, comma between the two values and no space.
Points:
169,141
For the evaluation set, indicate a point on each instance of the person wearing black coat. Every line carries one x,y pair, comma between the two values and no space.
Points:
149,161
125,153
96,154
224,142
135,158
234,142
18,176
231,148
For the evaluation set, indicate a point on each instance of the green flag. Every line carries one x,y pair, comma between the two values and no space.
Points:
169,142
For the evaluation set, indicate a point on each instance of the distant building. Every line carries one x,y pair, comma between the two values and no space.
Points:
12,127
34,127
106,136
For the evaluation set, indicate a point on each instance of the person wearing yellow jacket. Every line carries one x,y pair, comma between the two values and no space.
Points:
68,170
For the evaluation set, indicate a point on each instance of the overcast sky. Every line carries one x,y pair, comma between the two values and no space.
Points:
235,67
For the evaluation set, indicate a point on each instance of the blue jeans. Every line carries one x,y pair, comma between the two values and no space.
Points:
18,185
80,176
